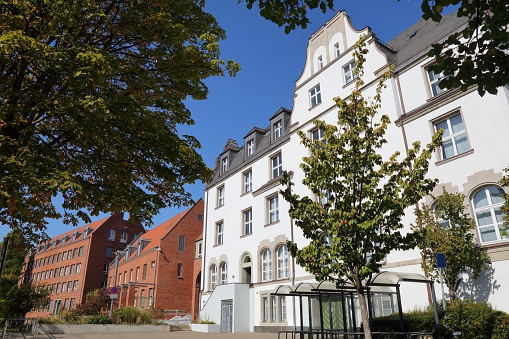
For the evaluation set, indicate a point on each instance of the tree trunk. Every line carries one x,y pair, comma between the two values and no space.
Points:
364,312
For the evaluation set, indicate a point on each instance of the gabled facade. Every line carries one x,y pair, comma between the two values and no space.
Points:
246,221
156,270
76,262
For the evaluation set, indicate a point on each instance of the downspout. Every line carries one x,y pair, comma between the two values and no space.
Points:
204,247
293,279
158,249
402,122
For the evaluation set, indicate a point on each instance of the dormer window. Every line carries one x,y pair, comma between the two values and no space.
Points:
249,147
64,240
224,165
278,129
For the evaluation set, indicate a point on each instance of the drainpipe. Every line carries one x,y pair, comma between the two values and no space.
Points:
204,249
158,249
293,279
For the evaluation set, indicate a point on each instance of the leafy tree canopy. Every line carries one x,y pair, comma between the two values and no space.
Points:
446,228
475,56
356,221
91,95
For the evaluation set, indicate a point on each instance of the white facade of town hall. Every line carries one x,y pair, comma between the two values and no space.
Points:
246,220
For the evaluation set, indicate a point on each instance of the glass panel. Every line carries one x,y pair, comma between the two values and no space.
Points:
488,234
484,218
480,199
443,125
496,195
448,149
498,215
461,143
436,90
457,124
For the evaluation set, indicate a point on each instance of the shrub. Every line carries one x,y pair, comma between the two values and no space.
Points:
474,319
501,326
145,317
127,314
98,319
204,319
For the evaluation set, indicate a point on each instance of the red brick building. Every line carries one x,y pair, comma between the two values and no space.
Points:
156,271
76,262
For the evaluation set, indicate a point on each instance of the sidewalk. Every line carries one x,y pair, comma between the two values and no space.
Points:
152,335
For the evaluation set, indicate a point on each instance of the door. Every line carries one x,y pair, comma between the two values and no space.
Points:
226,315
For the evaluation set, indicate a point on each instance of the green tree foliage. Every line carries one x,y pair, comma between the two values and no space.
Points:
19,300
357,220
475,56
446,228
95,301
91,96
505,208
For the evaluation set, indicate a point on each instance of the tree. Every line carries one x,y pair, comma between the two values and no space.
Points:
475,56
92,94
357,220
95,301
21,299
505,208
446,228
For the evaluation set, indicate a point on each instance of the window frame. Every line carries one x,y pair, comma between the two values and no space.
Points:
249,147
491,208
320,62
111,234
247,181
315,96
223,273
212,277
348,74
282,262
277,129
273,211
433,81
266,264
224,165
247,223
220,196
219,234
276,164
452,135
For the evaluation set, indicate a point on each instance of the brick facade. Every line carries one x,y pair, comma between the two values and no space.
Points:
74,263
162,266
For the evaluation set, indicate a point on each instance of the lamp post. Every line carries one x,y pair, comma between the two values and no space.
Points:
117,253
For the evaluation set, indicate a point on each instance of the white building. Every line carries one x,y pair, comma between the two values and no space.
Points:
246,220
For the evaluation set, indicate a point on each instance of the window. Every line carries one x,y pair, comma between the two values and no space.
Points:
282,262
74,252
248,181
179,270
219,232
220,196
78,268
61,271
213,277
123,237
266,265
144,272
273,207
109,252
64,287
348,72
71,305
69,254
138,273
265,301
131,275
454,139
75,286
249,147
320,62
150,297
199,245
487,204
153,264
106,268
314,96
73,269
69,286
278,129
248,222
317,135
273,308
66,272
182,243
223,269
111,235
337,51
434,81
277,165
224,165
142,301
80,252
282,309
125,277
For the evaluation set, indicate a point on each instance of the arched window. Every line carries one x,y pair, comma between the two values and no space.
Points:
266,265
282,262
223,269
213,277
488,215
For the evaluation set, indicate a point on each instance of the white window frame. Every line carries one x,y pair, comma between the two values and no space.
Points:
337,50
220,196
315,96
276,163
219,232
247,218
213,276
278,129
452,137
282,262
495,213
265,309
249,147
273,308
123,236
434,82
348,74
266,262
111,235
224,165
273,209
282,308
223,271
248,181
320,62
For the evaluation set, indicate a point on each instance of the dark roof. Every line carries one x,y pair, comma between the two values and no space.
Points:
419,37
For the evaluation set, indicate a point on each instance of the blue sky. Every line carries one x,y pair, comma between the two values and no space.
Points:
270,62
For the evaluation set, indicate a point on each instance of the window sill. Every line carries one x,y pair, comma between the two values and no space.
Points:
464,154
312,107
217,245
246,235
246,193
268,225
218,207
349,83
